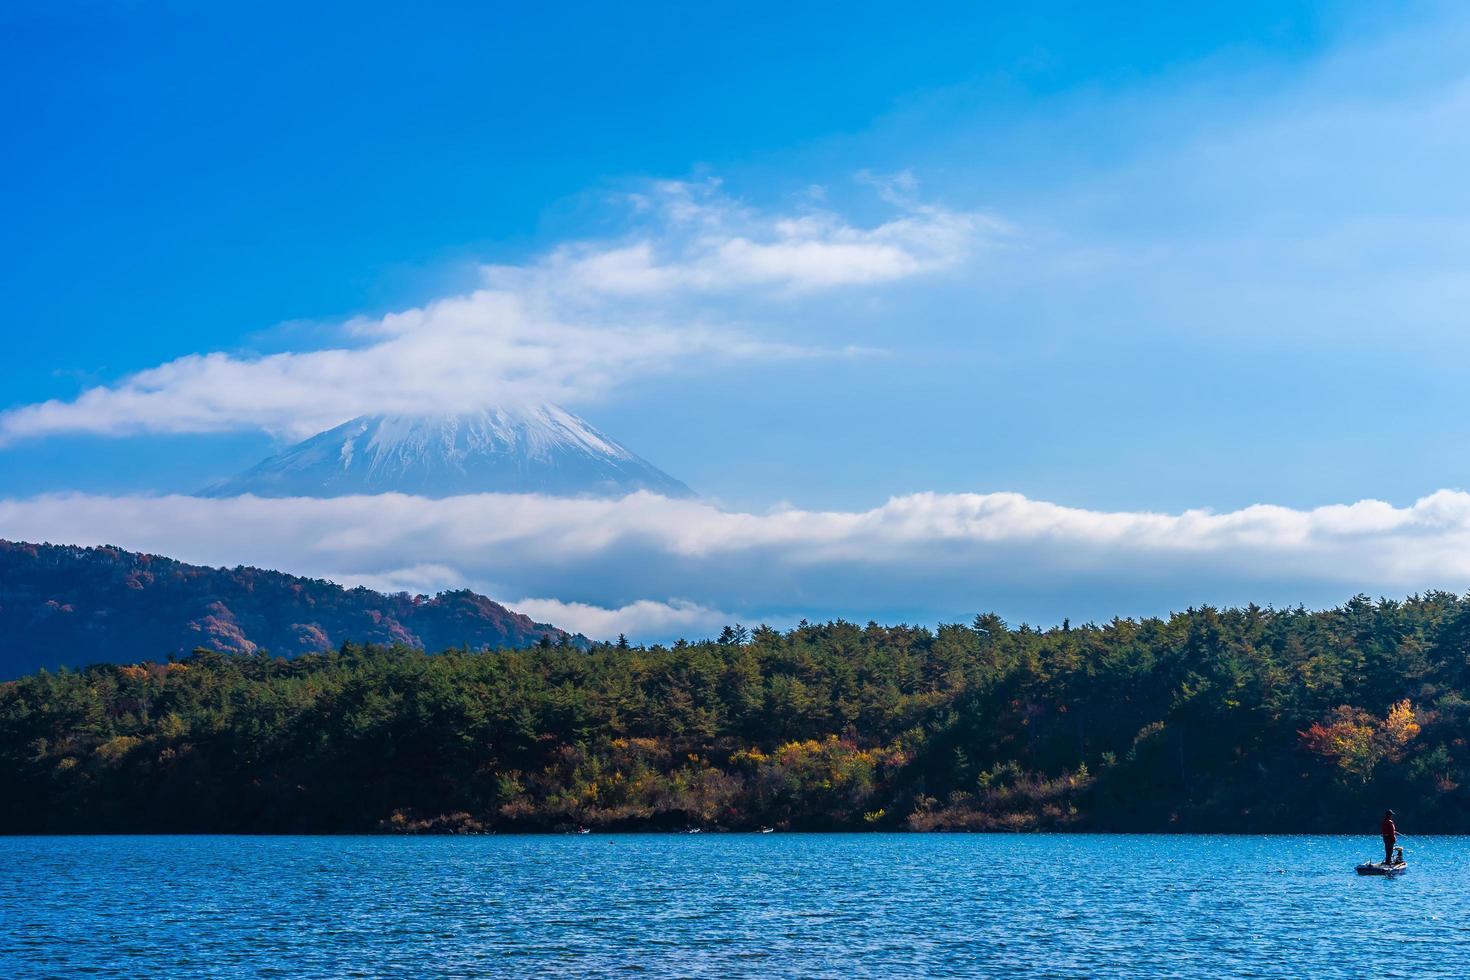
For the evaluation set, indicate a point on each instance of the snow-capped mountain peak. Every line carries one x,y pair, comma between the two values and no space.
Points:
534,449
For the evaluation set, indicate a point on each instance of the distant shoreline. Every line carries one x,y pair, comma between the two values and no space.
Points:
1236,721
1373,838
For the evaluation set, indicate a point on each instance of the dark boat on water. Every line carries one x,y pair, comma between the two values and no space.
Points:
1383,869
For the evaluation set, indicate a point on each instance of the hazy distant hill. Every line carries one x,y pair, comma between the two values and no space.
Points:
67,605
541,449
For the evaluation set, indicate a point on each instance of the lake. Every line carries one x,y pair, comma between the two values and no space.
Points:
727,905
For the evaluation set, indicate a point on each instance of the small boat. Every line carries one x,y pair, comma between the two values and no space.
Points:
1383,869
692,830
768,830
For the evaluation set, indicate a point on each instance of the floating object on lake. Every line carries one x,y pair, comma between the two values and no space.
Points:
1396,866
768,830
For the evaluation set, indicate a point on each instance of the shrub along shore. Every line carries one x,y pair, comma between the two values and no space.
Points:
1233,720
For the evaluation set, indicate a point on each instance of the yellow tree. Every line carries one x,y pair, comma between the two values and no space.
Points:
1357,740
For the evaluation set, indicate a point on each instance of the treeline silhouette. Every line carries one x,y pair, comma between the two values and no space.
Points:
1244,719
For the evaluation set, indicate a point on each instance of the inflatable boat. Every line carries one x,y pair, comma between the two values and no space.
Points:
1380,868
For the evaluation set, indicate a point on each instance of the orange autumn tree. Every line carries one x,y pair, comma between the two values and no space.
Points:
1357,740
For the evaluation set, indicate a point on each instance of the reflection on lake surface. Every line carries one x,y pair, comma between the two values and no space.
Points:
723,905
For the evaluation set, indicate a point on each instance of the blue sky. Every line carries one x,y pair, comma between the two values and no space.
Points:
1117,258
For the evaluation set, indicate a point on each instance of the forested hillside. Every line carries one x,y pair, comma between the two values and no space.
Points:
61,604
1233,720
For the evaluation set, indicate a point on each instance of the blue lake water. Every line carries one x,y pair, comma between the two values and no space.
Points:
730,905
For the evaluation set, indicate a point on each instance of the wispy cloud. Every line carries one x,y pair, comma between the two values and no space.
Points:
1275,207
710,244
567,327
641,618
649,566
645,618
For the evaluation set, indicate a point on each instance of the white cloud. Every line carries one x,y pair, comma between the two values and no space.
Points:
644,618
569,327
608,566
426,578
640,618
711,245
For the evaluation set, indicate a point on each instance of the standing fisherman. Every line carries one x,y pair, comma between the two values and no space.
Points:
1390,834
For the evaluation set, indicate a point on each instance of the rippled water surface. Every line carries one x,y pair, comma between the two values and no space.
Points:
729,905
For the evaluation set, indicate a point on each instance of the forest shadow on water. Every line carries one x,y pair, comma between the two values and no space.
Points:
676,905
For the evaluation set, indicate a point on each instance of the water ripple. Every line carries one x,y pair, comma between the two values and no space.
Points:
719,906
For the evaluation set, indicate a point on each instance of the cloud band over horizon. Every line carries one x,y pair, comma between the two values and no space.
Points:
656,568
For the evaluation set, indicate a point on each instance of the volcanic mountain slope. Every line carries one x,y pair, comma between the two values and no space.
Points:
61,604
541,449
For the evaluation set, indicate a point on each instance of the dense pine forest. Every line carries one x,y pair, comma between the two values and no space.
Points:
1221,720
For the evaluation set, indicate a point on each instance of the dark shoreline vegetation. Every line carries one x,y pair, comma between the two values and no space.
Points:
1235,720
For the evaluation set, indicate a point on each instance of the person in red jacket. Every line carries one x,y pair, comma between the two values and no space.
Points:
1390,834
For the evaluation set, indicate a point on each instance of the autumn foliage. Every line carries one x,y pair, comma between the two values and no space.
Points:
1224,720
1357,741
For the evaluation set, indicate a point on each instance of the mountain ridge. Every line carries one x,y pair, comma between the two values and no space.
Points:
59,603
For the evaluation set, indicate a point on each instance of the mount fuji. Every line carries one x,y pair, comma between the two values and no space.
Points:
540,449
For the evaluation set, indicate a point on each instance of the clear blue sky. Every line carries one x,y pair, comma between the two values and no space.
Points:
185,178
1221,263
